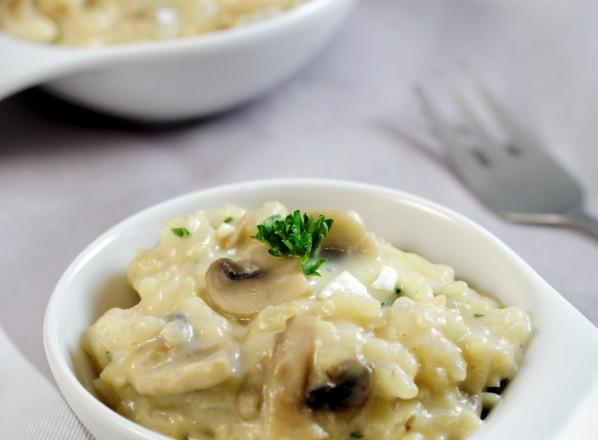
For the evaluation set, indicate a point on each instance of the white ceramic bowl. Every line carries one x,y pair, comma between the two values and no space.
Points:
180,78
558,369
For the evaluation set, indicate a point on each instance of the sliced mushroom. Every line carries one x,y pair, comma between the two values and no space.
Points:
286,415
346,235
247,225
338,394
347,386
243,289
196,370
302,402
178,331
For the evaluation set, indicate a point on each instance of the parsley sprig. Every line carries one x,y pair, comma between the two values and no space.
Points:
296,235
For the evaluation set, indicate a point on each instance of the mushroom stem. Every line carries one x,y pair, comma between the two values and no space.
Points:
286,415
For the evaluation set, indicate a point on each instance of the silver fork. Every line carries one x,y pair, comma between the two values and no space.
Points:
516,178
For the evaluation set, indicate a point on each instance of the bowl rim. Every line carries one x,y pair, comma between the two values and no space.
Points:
65,376
213,40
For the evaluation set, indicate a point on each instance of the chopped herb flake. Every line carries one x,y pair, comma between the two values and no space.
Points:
181,232
478,315
109,356
398,291
229,220
386,303
297,235
356,434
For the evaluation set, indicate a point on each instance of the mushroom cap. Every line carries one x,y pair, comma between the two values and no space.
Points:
347,386
347,234
338,394
243,289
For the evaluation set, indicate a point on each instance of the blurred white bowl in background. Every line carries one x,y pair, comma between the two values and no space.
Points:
176,79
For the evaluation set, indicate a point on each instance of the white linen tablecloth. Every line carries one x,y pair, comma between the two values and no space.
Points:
66,175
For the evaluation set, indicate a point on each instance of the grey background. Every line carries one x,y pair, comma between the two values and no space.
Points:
67,175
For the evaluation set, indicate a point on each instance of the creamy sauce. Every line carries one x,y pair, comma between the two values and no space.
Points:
384,345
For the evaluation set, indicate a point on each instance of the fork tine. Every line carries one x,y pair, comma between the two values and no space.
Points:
521,137
458,153
485,144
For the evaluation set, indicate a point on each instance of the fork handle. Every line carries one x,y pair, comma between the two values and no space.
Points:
582,220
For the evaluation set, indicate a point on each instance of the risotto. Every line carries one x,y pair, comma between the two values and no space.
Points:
235,337
100,22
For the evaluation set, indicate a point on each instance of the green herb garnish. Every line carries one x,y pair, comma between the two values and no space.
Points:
386,303
109,356
181,232
356,434
297,235
229,220
478,315
398,291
